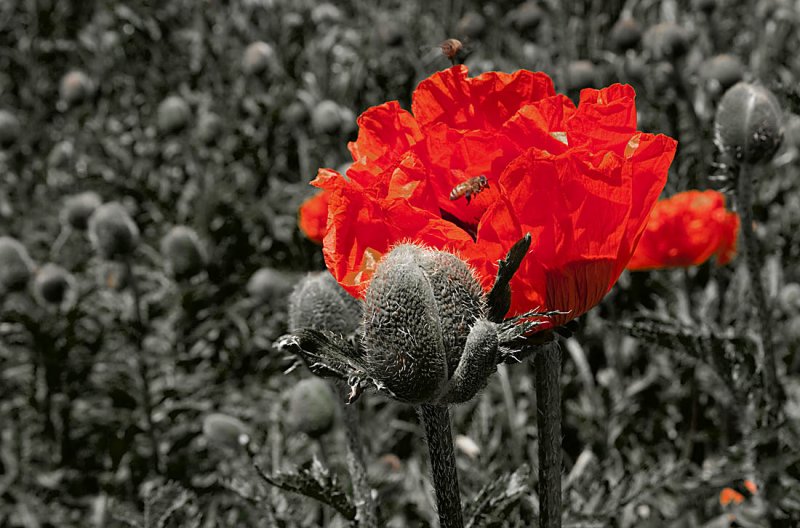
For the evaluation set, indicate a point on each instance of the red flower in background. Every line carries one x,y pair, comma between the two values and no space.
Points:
581,180
686,230
313,216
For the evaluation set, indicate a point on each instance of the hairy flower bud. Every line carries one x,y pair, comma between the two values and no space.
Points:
75,87
183,252
78,208
748,125
16,265
259,57
625,34
173,114
53,285
319,302
112,232
326,117
10,128
311,407
225,431
418,312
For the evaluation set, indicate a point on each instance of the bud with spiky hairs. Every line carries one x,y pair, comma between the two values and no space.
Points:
112,232
223,430
319,302
749,123
183,252
16,265
53,285
78,208
312,408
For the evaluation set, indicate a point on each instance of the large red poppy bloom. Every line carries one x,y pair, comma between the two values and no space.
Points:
686,230
313,216
581,180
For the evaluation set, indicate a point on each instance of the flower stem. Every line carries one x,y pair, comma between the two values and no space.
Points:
548,411
436,420
366,515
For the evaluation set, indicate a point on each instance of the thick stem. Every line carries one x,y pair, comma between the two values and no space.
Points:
366,514
548,410
436,420
141,366
745,197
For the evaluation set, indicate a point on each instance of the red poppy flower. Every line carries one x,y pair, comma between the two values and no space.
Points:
313,216
581,180
686,230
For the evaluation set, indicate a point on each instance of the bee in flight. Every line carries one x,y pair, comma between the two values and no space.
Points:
469,188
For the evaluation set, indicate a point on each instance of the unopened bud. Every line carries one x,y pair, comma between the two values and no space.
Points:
419,309
173,114
326,117
10,128
78,208
526,17
625,34
472,25
748,124
75,87
269,285
208,127
666,40
581,74
183,252
319,302
225,431
16,265
295,114
312,408
259,57
112,232
722,71
53,285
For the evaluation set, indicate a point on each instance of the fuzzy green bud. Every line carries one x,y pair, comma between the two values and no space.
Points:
319,302
183,252
418,312
78,208
749,123
53,285
112,232
225,431
16,265
312,408
173,114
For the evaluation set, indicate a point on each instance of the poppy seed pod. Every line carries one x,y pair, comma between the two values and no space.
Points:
666,41
419,310
75,87
9,128
625,34
173,114
183,252
112,232
722,71
311,407
53,284
223,430
748,124
326,117
16,265
258,58
78,208
319,302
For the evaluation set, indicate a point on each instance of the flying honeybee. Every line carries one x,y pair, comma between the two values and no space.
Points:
451,48
469,188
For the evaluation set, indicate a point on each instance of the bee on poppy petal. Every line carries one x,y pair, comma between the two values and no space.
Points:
469,188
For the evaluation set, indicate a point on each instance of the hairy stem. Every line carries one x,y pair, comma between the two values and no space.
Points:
548,411
366,514
436,420
141,366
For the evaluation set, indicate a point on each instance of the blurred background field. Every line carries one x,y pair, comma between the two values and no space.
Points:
215,116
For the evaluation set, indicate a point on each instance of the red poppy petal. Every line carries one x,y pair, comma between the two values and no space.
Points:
497,96
605,119
385,132
313,216
542,124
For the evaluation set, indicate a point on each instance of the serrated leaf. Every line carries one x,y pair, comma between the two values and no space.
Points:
496,497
